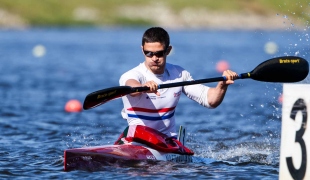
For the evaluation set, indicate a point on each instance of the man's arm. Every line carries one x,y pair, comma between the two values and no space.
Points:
216,95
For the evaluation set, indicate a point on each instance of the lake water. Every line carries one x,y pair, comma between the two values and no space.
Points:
35,129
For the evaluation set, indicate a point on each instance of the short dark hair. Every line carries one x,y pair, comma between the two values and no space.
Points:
156,34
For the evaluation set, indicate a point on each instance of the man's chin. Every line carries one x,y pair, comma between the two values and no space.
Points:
157,70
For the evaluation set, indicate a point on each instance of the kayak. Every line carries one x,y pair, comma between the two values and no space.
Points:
108,154
81,158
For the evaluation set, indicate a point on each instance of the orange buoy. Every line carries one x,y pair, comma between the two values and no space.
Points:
73,106
280,99
222,66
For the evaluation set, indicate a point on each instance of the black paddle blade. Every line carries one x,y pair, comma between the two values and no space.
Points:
97,98
281,69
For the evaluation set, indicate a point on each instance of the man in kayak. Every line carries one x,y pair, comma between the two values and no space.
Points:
151,113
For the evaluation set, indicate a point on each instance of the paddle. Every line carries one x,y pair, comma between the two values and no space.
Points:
279,69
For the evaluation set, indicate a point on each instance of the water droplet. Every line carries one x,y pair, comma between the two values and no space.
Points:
262,105
296,53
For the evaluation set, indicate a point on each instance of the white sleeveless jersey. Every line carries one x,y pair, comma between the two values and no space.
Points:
155,111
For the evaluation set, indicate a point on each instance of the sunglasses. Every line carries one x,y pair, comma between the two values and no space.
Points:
157,53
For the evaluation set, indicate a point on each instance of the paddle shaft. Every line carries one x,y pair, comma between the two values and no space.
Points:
186,83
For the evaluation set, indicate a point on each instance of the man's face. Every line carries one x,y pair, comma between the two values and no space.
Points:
155,56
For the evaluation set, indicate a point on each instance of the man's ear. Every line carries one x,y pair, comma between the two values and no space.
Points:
169,50
142,49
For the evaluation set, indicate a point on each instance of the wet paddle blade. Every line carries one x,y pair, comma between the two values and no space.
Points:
280,69
97,98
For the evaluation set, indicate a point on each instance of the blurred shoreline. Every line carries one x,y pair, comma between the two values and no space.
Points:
158,15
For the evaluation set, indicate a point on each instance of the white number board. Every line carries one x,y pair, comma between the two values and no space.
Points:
295,135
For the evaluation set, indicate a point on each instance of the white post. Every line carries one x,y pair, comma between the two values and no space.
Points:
295,135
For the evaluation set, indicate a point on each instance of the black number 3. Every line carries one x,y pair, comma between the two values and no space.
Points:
299,105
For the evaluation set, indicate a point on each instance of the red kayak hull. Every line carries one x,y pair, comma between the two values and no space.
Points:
109,154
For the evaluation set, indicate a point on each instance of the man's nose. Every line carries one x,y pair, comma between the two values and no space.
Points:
154,58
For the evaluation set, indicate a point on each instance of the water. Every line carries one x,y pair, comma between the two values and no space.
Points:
35,129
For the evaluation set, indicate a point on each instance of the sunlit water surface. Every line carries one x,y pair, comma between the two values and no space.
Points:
34,87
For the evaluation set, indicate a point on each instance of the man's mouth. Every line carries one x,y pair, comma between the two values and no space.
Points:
154,64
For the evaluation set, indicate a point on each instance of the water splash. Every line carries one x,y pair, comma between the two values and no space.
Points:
250,152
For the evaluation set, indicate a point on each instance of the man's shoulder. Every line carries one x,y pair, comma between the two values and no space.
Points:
134,73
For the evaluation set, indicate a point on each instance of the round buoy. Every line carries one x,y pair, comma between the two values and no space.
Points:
222,66
38,51
73,106
271,47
